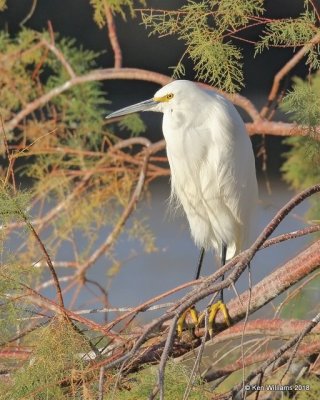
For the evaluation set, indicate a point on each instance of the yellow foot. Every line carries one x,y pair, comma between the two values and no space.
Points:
213,311
189,317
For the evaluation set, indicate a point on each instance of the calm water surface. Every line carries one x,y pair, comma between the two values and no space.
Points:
143,276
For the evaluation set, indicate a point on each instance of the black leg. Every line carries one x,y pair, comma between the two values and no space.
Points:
201,255
223,261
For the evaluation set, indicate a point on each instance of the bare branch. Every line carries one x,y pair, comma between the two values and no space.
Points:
285,70
279,354
112,32
60,56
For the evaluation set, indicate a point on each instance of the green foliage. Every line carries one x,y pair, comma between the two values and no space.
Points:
56,370
303,102
116,6
14,275
67,136
300,304
292,32
81,107
13,204
133,123
310,389
302,166
14,315
138,229
177,376
204,26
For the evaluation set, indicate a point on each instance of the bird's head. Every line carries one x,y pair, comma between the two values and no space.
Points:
169,96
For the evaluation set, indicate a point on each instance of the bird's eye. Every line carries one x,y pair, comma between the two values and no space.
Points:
169,96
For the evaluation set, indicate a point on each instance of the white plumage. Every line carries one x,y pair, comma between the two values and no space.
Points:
211,161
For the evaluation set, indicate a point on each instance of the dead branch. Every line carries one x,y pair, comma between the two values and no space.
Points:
277,128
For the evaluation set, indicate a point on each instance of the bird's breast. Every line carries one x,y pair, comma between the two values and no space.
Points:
185,137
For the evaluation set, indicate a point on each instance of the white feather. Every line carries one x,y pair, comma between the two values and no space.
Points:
212,165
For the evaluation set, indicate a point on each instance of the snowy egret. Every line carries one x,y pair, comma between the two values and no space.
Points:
212,166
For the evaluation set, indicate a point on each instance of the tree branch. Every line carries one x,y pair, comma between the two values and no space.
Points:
259,126
112,33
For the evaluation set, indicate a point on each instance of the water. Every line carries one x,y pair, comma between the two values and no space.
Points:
146,275
143,276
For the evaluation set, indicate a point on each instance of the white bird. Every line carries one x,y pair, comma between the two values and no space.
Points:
212,164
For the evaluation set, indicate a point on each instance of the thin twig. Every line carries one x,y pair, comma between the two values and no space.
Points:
112,33
47,258
238,389
101,383
122,220
165,355
11,160
197,361
30,13
244,326
285,70
207,286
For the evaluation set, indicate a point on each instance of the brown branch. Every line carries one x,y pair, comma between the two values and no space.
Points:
285,70
42,221
278,355
30,13
10,171
147,305
122,220
315,8
60,56
112,33
291,235
95,75
304,351
37,299
114,152
278,239
276,283
15,354
277,128
261,295
208,285
272,328
259,126
48,260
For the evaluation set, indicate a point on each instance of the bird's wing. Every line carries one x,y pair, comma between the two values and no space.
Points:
228,171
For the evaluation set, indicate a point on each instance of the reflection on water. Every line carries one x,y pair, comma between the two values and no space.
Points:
146,275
